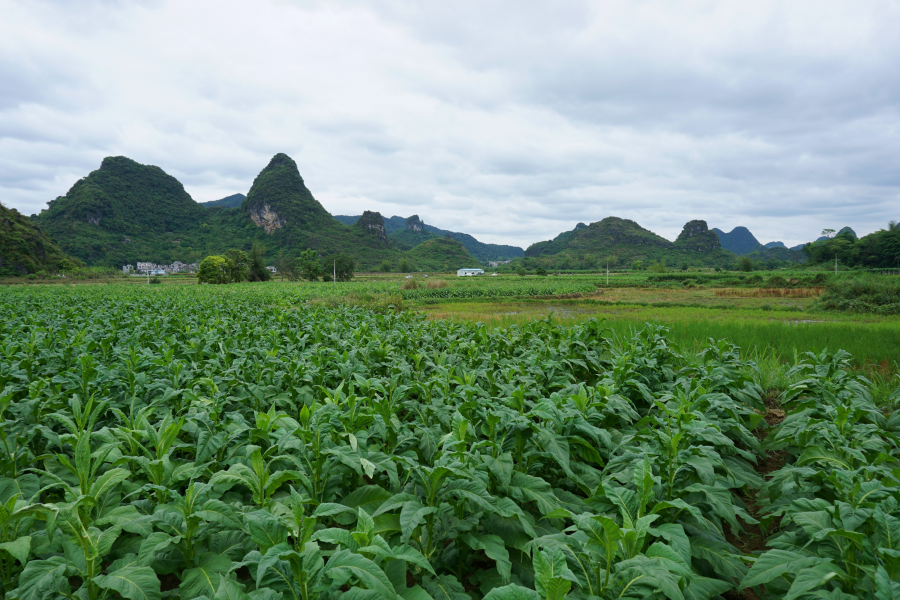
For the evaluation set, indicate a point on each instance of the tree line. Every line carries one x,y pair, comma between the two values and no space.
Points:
235,266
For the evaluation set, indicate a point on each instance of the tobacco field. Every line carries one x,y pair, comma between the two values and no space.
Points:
238,443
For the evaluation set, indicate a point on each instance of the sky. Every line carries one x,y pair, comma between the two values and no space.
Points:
511,120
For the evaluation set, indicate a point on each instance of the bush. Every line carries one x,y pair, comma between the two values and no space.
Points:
745,264
404,266
155,280
436,283
541,271
215,269
385,266
409,284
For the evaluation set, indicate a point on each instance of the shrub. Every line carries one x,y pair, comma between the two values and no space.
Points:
436,283
155,280
409,284
541,271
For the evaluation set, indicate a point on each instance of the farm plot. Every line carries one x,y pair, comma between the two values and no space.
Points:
200,442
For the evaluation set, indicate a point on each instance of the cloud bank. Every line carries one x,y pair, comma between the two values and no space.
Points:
508,120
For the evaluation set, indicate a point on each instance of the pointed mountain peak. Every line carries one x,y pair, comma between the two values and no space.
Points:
278,197
696,236
373,224
414,223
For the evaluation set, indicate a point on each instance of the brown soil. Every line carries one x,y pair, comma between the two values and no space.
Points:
754,539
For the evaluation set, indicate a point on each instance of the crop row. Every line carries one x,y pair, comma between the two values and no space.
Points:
207,442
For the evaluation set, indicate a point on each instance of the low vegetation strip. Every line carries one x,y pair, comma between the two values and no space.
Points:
214,442
864,294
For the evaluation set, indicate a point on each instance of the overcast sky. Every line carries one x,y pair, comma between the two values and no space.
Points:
510,120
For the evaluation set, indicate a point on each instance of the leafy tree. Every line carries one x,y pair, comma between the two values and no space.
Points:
256,264
385,266
638,265
287,266
745,264
829,233
215,269
520,271
404,266
340,267
541,271
309,266
684,266
239,265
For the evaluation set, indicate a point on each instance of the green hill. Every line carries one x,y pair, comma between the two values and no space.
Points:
124,212
441,254
232,201
406,234
739,240
25,249
623,241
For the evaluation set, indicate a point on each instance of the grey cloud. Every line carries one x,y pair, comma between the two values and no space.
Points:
510,121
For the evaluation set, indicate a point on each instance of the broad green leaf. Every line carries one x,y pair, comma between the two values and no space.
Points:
133,582
344,563
809,579
265,530
822,455
106,482
206,577
704,588
774,564
40,576
18,549
512,592
445,587
494,548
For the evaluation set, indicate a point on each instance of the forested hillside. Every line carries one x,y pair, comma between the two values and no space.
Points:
25,249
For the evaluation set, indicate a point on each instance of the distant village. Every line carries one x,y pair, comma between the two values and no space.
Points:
149,268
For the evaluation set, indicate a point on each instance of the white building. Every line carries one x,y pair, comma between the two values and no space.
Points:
469,272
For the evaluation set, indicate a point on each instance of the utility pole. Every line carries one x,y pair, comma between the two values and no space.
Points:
148,276
607,272
334,276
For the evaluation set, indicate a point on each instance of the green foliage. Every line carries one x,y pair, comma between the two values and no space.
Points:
880,249
877,294
126,212
256,264
309,266
845,537
541,271
238,265
339,268
215,269
588,245
266,449
442,254
404,266
26,250
684,266
385,266
745,263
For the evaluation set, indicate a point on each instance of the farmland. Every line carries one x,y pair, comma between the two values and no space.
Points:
271,441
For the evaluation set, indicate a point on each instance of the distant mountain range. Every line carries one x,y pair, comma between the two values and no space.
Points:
232,201
623,242
125,211
407,233
740,241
